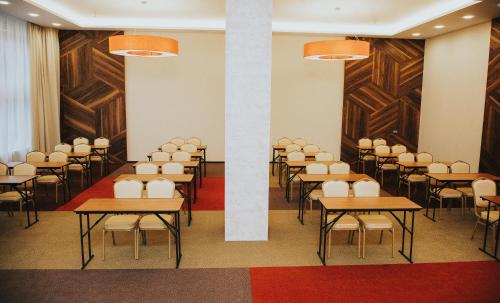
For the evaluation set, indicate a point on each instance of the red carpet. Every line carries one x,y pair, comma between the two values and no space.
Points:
210,196
438,282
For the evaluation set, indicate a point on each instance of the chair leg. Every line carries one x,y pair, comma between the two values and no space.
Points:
103,244
475,228
168,243
136,245
330,242
311,209
364,243
381,237
392,231
359,243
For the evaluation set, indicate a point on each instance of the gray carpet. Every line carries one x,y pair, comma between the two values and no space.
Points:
152,285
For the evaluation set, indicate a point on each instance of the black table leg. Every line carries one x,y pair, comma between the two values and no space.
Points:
405,229
201,173
194,180
205,162
178,254
273,161
189,202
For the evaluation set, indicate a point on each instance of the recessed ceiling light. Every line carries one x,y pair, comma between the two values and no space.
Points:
439,26
56,24
4,2
416,34
468,17
33,15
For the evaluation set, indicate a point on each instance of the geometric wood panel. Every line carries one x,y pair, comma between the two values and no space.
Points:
382,95
490,145
92,90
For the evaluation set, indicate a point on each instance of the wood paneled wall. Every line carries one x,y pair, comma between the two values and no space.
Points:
382,95
490,145
92,90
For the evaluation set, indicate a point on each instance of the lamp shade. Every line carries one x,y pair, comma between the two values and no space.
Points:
143,46
337,50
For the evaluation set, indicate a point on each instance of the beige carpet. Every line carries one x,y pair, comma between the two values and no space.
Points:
54,243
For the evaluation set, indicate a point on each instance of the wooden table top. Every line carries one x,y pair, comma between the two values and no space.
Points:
15,180
461,177
160,163
387,155
369,203
40,164
92,146
333,177
277,146
492,199
284,154
144,205
420,164
305,163
185,178
78,155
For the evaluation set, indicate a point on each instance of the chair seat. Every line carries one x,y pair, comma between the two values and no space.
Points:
346,222
121,222
177,194
450,193
388,166
95,158
416,178
316,194
10,196
76,166
368,158
48,179
375,221
493,215
152,222
466,191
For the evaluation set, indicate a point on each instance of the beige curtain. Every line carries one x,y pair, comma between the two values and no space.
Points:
45,91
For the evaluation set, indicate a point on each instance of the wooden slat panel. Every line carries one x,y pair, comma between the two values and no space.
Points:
92,90
382,94
490,146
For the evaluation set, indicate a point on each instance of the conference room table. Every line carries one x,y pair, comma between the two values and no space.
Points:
192,165
20,185
103,152
309,182
59,169
366,204
185,179
444,180
491,200
197,156
293,168
283,155
106,206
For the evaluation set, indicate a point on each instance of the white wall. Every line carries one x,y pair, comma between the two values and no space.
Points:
184,96
453,92
307,95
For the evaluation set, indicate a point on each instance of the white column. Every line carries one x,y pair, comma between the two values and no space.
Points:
247,117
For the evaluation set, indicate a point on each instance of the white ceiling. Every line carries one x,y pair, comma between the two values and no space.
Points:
384,18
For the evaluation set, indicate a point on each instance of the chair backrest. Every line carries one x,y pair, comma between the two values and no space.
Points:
58,156
130,189
169,147
317,169
3,169
340,168
188,147
146,169
406,157
194,140
398,148
324,156
296,156
181,156
292,147
366,188
172,169
80,140
310,148
437,168
101,141
82,148
338,188
160,156
379,141
24,169
424,157
365,142
382,149
178,141
35,156
299,141
160,188
63,147
284,141
480,188
460,167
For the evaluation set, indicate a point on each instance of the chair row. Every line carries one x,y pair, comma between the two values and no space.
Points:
134,189
172,168
300,156
172,148
101,141
284,141
178,141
